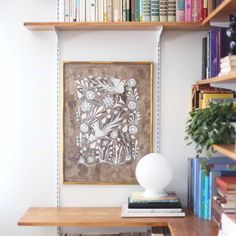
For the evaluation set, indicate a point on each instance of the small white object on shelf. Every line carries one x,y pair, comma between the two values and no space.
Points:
154,174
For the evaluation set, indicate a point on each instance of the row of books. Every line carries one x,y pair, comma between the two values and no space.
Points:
202,187
141,206
135,10
203,95
214,47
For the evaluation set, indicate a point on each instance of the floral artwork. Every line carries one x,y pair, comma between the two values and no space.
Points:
103,107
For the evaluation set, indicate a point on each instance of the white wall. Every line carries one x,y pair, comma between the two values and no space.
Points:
28,107
28,114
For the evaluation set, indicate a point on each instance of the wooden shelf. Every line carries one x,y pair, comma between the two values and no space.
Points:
221,13
226,149
112,26
230,78
110,217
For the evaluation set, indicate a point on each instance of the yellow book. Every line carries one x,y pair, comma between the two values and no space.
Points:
205,97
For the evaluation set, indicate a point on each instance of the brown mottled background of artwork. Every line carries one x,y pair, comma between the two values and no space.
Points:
104,173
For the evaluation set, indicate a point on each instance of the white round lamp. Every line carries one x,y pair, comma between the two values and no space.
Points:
154,174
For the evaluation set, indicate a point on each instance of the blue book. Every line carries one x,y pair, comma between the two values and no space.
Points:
137,10
206,197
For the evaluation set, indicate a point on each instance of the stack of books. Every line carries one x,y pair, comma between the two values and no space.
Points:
227,65
228,227
225,200
140,206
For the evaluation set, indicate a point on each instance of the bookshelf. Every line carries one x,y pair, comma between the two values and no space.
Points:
230,78
219,14
226,149
51,26
110,217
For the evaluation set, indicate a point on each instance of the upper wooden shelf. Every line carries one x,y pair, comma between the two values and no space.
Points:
230,78
226,149
221,13
110,217
112,25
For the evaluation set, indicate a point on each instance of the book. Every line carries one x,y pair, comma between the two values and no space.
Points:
137,10
82,8
139,197
67,10
163,6
188,11
154,205
151,210
155,10
125,213
92,11
180,10
204,58
147,10
171,11
228,224
226,183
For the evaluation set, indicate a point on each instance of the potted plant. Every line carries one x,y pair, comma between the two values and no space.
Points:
212,125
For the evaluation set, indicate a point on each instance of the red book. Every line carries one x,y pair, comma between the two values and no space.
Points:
226,183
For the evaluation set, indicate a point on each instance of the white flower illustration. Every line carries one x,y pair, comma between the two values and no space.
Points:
86,106
90,95
90,159
132,105
114,134
108,101
84,128
131,82
133,129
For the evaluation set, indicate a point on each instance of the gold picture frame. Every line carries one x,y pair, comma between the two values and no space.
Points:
107,120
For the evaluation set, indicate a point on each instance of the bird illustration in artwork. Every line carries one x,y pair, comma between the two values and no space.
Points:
115,85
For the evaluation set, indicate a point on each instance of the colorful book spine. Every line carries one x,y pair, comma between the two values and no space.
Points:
205,9
141,10
171,14
137,10
155,10
124,10
206,197
105,8
128,13
188,11
146,10
180,11
163,10
132,10
213,52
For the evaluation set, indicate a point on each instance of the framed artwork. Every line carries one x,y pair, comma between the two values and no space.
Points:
107,120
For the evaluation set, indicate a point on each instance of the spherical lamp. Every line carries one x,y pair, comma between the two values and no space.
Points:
154,174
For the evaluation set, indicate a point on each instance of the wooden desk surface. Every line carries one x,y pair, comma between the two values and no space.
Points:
110,217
